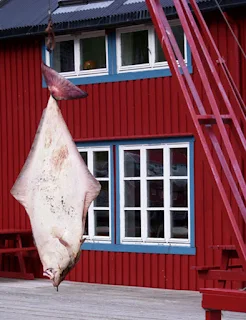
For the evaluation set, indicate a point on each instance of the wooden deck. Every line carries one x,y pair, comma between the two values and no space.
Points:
37,299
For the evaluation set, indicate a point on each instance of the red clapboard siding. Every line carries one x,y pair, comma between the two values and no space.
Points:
144,107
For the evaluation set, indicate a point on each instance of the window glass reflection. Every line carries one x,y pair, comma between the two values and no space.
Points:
63,56
178,193
132,223
155,193
132,193
156,224
101,223
102,199
100,164
134,48
179,224
132,163
178,162
91,58
154,162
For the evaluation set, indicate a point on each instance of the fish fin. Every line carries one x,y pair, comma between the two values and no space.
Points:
60,88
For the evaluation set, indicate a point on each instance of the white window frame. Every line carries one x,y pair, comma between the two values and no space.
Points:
91,237
76,38
144,239
152,65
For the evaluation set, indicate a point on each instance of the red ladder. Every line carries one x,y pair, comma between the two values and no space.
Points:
205,122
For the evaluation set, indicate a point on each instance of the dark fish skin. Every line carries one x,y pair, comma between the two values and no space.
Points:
59,87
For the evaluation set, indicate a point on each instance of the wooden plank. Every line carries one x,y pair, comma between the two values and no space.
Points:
133,268
105,267
16,250
210,119
138,116
92,266
204,268
147,270
98,269
15,231
140,271
17,275
223,275
126,268
145,107
154,271
119,269
224,299
103,110
112,268
223,247
116,110
85,266
162,275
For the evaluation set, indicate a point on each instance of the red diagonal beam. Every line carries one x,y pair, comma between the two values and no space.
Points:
184,17
161,25
212,44
201,108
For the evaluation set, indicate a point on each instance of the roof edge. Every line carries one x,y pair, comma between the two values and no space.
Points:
110,21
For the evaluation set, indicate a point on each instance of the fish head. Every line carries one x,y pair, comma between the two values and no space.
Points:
58,273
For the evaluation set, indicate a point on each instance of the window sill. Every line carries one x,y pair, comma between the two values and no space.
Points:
162,249
124,76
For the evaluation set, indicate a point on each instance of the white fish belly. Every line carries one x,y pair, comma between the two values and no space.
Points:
56,189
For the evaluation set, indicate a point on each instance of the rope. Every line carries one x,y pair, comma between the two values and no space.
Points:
229,26
50,44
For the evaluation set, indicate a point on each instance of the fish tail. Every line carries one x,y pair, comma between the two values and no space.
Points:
59,87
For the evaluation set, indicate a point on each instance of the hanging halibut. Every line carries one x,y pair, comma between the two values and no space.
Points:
55,186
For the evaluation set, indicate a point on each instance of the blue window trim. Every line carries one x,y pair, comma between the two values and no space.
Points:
115,245
113,76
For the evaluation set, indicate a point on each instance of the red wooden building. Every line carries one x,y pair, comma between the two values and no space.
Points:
159,211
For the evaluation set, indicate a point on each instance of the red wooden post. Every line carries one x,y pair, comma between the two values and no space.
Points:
213,315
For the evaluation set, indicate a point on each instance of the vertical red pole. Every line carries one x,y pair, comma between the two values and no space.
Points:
213,315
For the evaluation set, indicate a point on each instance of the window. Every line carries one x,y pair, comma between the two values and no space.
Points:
97,225
77,56
114,55
139,48
154,187
146,200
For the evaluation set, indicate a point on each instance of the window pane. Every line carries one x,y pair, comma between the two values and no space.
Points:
178,162
134,48
84,156
178,192
101,223
155,162
132,163
156,224
93,53
86,226
179,36
132,193
155,193
100,164
179,224
102,199
63,56
132,223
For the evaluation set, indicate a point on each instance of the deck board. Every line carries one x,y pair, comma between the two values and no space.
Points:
37,299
